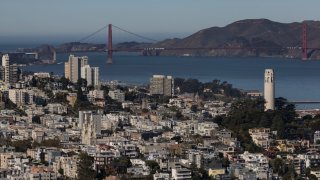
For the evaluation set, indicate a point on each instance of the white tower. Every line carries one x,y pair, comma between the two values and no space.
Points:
269,89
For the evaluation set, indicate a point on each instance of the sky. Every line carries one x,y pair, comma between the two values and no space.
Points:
55,21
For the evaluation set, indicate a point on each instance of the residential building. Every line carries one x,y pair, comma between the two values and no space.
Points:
262,137
117,95
18,96
316,137
72,68
181,174
162,85
91,75
6,66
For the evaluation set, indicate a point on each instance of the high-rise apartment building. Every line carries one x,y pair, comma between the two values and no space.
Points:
91,75
9,73
13,73
18,96
6,67
72,68
269,91
162,85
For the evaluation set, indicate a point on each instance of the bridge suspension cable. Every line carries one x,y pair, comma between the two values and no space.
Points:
137,35
92,34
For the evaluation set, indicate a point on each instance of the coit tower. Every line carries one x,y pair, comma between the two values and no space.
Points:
269,89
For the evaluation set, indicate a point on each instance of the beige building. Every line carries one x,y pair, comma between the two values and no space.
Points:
68,164
18,96
91,75
162,85
262,137
117,95
72,68
8,160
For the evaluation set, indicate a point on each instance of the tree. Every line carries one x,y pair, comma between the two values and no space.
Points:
194,108
21,145
48,143
36,120
178,139
61,171
179,115
278,166
85,167
110,170
154,166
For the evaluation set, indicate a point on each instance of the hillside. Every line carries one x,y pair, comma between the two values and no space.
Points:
274,36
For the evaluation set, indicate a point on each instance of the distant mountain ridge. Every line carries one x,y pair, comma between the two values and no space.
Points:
248,33
245,39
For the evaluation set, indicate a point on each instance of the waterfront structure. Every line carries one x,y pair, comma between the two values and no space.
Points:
91,75
162,85
72,68
269,91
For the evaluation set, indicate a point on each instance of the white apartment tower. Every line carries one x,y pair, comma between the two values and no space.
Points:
72,68
6,66
91,75
269,91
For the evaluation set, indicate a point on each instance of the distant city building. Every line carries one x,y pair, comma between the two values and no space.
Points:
6,67
18,96
72,68
13,73
180,173
269,91
91,75
316,137
262,137
162,85
117,95
42,74
9,73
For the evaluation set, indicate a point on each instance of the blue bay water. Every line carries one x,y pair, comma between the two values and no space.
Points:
295,79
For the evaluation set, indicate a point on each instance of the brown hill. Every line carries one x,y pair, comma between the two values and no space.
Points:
247,34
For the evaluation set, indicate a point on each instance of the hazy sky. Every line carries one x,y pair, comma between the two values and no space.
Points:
61,20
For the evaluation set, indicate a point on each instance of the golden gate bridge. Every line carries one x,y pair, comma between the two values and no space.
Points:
155,51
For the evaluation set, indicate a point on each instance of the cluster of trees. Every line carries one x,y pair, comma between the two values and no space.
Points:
216,86
249,113
24,145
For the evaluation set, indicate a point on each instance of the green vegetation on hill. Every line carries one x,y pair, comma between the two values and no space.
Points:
248,113
217,87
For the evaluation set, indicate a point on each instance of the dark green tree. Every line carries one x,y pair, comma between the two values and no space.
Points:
85,167
154,166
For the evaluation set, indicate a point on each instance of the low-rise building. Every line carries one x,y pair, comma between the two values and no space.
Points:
117,95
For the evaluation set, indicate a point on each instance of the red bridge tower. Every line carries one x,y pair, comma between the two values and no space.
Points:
110,50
